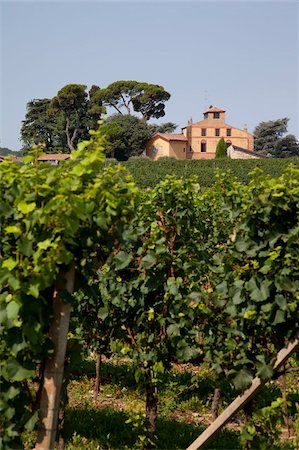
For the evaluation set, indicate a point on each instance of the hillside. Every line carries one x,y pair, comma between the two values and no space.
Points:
4,151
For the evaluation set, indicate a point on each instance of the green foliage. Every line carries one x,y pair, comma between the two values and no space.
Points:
221,149
137,420
40,127
149,279
172,274
147,284
61,122
286,147
262,429
147,173
256,276
78,112
167,127
49,217
148,99
269,139
126,136
296,424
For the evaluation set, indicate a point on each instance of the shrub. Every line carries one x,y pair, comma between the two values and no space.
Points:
221,149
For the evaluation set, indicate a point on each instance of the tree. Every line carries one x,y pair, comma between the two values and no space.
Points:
221,149
94,108
167,127
148,99
63,121
119,95
39,126
77,111
268,134
127,136
286,146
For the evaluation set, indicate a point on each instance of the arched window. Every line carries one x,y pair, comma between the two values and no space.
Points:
228,143
203,146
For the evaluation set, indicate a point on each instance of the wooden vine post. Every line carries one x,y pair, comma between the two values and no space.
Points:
53,375
244,398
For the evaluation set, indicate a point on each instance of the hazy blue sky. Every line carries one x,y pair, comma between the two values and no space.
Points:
241,55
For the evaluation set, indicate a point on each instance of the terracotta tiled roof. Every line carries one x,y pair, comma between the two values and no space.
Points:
214,109
54,157
172,137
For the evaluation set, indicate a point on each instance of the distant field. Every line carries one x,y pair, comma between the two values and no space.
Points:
148,173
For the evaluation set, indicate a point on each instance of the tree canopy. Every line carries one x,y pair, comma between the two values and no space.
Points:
39,126
61,122
167,127
126,135
71,104
286,146
269,139
150,102
147,99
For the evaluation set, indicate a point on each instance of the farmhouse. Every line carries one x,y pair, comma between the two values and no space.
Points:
199,140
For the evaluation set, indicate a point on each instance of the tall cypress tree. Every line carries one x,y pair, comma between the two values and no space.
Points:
221,149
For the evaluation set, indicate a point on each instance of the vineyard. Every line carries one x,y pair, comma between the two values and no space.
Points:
187,290
147,173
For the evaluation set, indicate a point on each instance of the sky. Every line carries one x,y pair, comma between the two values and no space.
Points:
239,55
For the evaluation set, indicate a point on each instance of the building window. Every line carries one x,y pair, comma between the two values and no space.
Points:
228,143
203,131
205,116
228,132
203,146
216,115
217,131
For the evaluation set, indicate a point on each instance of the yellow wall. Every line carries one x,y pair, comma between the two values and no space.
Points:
161,145
240,138
175,149
178,149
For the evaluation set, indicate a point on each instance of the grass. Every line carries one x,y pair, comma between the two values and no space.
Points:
184,409
107,429
102,424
